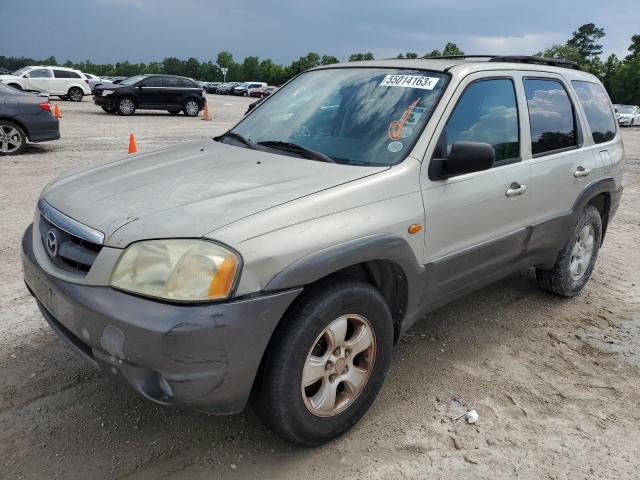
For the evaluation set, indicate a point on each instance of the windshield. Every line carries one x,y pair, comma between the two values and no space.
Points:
625,110
17,73
132,80
355,116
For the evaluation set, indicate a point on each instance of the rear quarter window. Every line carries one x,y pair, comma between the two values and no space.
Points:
597,108
551,116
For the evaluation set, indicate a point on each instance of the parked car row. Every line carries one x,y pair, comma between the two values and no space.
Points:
245,89
627,115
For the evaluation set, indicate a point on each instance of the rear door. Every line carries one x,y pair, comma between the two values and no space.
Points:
560,153
475,222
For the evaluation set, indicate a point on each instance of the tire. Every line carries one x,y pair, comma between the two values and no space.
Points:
13,139
191,108
126,106
15,85
279,398
174,112
75,94
109,109
572,270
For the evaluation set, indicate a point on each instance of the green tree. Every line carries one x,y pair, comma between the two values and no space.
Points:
250,68
358,57
451,49
433,53
634,48
329,60
585,39
410,55
565,52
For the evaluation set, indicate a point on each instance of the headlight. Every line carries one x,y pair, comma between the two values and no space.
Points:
106,92
181,270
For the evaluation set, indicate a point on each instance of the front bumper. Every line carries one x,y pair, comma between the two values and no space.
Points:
107,101
202,357
624,121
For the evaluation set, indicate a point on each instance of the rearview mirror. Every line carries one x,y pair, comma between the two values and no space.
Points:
25,75
465,157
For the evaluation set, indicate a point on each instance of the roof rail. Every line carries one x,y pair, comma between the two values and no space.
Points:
554,62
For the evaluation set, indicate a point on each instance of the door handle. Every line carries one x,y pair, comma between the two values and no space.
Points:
515,189
581,172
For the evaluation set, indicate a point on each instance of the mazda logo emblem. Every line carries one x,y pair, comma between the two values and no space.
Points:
52,243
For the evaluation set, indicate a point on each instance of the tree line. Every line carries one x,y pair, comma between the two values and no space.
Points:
621,77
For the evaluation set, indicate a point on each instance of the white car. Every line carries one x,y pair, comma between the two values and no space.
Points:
627,115
66,83
94,80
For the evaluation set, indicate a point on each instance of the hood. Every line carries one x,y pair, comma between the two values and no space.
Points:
9,77
189,190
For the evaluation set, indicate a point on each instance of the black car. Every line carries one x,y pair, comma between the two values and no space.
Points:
24,116
151,92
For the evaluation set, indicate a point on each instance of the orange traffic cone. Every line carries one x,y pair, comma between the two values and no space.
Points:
132,144
56,111
205,115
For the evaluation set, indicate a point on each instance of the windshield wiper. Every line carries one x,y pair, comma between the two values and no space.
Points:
238,137
294,147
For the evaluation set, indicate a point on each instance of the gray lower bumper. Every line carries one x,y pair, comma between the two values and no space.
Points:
203,357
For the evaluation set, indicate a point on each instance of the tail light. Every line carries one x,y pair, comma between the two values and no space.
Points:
46,106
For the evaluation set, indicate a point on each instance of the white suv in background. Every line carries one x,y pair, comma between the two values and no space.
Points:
66,83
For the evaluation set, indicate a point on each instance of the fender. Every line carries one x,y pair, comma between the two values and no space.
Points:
317,265
603,185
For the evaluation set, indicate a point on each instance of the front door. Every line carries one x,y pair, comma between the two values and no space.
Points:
152,93
475,222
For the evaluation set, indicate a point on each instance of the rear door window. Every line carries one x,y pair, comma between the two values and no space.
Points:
551,116
596,105
487,112
65,74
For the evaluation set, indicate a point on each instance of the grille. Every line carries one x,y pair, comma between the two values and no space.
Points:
70,253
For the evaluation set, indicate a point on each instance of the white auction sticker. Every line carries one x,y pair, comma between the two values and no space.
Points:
409,81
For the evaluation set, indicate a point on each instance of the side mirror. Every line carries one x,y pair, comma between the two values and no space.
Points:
25,75
465,157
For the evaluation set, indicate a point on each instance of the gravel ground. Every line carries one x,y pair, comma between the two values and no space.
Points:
554,380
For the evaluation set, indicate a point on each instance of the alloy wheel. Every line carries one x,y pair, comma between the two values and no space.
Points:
338,365
10,139
191,107
126,106
582,252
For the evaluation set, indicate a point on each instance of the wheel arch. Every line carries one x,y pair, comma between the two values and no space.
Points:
385,261
20,124
598,194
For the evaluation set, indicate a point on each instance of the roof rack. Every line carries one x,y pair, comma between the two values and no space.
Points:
554,62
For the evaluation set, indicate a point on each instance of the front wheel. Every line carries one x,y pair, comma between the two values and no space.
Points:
75,94
126,106
13,140
109,109
326,363
577,258
191,108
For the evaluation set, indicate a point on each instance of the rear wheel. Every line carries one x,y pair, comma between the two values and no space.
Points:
126,106
12,138
191,108
578,257
75,94
326,363
15,85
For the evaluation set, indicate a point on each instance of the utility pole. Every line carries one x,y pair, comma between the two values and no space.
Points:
224,73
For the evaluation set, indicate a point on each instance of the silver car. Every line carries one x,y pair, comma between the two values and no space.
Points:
281,261
627,115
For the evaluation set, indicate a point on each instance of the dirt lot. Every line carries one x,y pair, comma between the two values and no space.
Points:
555,381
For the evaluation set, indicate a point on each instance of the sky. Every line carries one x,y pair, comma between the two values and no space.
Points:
107,31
